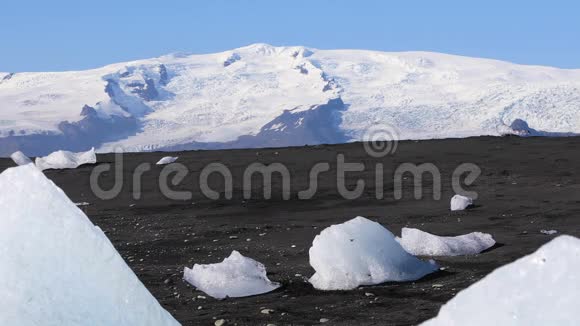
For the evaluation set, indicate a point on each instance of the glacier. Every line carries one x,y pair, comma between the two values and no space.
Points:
262,95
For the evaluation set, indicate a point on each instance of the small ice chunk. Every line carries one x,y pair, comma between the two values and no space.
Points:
167,160
459,203
84,203
539,289
236,276
548,232
20,159
361,252
66,160
420,243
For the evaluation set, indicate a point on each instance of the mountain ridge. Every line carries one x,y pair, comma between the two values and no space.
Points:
225,99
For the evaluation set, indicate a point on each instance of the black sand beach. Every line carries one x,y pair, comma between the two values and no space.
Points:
526,185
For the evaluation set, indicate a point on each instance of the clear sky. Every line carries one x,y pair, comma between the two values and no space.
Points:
55,35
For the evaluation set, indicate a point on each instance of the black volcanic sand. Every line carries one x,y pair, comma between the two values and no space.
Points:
527,184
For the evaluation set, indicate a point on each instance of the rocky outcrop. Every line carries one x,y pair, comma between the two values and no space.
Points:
319,124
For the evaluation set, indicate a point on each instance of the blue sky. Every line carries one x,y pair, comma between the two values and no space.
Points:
68,35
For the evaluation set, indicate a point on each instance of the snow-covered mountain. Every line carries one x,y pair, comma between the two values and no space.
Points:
261,95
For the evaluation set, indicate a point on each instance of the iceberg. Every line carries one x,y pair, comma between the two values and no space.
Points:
66,160
420,243
20,159
57,267
539,289
167,160
361,252
460,203
236,276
